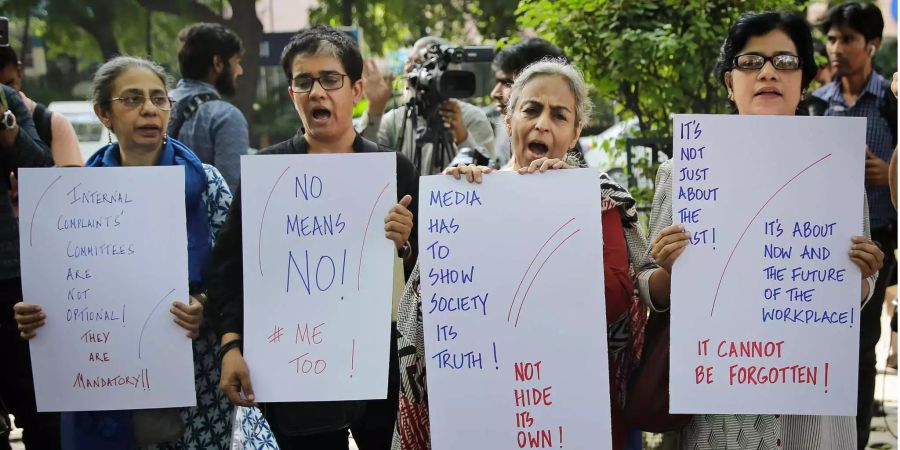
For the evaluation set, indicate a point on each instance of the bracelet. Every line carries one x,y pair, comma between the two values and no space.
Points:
405,251
237,343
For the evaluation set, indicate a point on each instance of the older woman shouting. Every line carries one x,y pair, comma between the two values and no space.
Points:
548,107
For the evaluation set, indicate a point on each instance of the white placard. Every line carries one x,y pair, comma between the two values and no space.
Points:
318,275
765,302
104,253
514,312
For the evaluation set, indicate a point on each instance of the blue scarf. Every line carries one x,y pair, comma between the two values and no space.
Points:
115,429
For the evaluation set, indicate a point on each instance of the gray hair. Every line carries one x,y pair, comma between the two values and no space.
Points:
553,67
106,75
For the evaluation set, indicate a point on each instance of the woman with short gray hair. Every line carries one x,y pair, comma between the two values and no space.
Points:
548,108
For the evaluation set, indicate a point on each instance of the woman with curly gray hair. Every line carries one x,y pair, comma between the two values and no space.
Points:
548,107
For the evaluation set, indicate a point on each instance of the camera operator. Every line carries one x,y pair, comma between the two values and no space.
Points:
466,124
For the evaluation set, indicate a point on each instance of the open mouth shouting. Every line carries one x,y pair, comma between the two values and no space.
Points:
538,149
320,115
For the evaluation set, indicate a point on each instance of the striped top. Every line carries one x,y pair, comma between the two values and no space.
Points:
751,431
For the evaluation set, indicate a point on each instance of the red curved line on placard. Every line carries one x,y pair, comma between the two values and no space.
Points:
263,219
519,313
363,246
509,314
725,269
34,213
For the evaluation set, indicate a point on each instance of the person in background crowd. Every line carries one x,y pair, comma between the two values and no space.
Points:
853,32
20,146
54,129
547,109
210,62
131,99
774,51
324,70
466,123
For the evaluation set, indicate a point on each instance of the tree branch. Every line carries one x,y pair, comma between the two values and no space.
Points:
190,8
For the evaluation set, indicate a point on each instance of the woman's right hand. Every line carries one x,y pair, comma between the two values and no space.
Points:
236,378
28,318
668,245
470,171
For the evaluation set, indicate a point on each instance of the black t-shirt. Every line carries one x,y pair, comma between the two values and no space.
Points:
225,309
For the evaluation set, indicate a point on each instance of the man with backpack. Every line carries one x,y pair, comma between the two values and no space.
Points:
210,62
853,32
54,129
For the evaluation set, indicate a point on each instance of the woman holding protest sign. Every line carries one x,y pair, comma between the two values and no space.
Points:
547,110
131,99
765,64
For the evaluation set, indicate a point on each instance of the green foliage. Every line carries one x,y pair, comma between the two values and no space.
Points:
391,24
653,58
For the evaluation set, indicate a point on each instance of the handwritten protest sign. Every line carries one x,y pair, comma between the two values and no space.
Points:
513,309
104,252
318,275
765,300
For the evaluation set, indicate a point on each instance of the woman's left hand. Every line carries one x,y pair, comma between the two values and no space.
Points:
866,255
189,316
545,164
472,172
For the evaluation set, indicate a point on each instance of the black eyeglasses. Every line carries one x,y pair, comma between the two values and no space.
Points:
133,101
756,62
302,84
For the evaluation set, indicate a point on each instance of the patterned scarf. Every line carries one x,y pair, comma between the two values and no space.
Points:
101,430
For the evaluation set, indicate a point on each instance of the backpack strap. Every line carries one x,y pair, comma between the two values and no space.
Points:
186,108
41,117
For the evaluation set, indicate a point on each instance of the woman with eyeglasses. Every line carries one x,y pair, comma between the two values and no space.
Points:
765,64
131,99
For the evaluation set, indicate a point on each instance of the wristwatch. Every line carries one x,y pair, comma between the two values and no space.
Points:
7,120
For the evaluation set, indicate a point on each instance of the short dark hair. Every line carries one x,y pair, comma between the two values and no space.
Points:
324,40
201,43
864,18
760,23
7,57
516,57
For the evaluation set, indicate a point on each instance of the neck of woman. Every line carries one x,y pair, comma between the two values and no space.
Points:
139,155
343,144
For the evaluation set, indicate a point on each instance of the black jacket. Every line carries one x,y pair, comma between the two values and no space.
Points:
225,308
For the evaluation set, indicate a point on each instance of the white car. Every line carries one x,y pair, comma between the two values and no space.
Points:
91,133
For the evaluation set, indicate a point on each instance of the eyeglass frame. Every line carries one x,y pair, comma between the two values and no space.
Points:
767,59
144,101
317,80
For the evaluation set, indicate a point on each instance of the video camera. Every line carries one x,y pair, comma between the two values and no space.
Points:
434,83
4,32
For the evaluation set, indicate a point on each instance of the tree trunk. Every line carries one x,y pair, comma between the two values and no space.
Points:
246,24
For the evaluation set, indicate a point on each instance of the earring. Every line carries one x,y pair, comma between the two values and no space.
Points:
109,136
